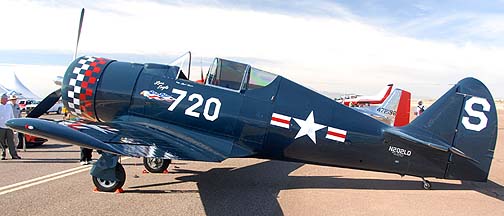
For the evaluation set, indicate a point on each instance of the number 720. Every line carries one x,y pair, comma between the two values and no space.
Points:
198,102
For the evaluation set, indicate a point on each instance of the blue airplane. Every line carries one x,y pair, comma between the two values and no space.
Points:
153,111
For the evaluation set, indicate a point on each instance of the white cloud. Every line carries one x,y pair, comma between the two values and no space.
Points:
314,51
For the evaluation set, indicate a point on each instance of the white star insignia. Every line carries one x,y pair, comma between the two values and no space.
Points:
308,127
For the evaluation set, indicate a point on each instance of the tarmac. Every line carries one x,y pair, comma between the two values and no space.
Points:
50,181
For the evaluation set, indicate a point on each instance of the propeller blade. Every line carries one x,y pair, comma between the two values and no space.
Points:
201,70
45,104
79,32
53,98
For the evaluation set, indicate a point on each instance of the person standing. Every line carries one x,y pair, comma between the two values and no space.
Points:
6,135
420,108
86,156
17,114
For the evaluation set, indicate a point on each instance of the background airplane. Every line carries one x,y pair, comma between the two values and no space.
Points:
394,111
360,100
153,111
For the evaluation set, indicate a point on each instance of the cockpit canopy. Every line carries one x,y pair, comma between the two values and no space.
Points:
237,76
226,74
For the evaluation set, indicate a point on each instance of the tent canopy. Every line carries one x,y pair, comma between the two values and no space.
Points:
10,84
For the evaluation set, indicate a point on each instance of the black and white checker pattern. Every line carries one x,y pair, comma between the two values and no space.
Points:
75,89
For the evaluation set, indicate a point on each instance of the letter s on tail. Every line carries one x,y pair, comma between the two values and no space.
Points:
468,108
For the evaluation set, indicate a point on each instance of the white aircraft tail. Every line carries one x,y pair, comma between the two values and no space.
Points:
396,107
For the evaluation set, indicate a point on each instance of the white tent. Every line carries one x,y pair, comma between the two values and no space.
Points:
10,84
3,89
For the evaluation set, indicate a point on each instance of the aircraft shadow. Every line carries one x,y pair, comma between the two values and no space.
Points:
253,190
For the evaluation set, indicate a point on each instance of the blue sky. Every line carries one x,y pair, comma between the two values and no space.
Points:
450,20
351,46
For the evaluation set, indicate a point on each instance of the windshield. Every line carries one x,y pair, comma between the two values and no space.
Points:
184,64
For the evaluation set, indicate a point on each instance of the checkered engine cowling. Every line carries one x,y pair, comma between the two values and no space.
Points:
79,85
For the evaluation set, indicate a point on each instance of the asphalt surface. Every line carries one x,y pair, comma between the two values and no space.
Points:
236,187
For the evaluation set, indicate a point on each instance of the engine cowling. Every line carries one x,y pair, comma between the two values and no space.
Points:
99,89
80,84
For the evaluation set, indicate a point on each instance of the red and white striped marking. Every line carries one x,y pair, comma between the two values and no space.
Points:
280,120
336,134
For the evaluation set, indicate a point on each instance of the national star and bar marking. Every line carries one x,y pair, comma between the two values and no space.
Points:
308,127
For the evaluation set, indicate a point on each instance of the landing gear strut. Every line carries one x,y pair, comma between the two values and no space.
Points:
426,184
156,165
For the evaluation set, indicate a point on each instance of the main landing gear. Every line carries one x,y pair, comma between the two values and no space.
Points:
426,184
109,185
113,176
156,165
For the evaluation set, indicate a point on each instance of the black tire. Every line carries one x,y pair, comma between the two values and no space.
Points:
427,185
59,111
111,186
156,165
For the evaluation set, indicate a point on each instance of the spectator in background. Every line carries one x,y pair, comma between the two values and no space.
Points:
6,135
15,107
420,108
17,114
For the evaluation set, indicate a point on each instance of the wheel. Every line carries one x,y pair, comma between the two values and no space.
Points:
156,165
427,185
59,111
111,186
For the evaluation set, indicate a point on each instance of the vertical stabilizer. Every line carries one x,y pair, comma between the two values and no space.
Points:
465,119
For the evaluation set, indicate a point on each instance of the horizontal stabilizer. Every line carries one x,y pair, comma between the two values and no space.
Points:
429,142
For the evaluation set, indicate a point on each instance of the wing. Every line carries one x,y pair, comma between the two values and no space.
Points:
135,139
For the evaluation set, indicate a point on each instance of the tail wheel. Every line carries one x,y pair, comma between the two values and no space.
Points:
427,185
111,186
156,165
